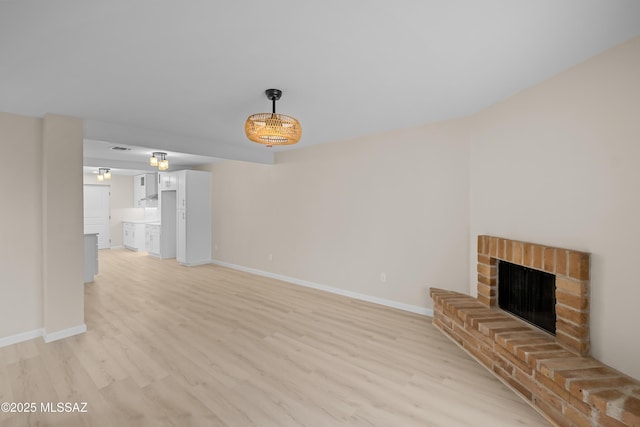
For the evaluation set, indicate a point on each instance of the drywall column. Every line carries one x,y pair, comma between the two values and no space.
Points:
62,226
20,229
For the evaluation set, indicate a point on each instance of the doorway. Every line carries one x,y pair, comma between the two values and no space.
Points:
97,214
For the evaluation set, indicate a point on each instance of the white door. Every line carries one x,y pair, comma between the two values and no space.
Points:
96,213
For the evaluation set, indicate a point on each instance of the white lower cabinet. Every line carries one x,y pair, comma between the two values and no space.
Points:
133,236
152,239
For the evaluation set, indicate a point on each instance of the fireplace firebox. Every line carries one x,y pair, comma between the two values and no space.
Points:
529,294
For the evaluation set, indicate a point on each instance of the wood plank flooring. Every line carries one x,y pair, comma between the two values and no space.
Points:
169,345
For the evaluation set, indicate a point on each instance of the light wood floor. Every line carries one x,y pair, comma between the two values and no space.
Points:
208,346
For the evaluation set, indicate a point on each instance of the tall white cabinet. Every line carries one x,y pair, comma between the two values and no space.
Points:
193,222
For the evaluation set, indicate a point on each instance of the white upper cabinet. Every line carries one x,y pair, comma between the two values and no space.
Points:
145,190
167,181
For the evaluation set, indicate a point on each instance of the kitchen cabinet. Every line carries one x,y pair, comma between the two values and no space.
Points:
152,239
167,181
193,222
133,235
145,190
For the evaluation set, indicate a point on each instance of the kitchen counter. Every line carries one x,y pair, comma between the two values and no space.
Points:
142,221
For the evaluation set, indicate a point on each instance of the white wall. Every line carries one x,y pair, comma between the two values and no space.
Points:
340,214
558,164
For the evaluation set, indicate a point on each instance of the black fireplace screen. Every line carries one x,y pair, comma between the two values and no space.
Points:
529,294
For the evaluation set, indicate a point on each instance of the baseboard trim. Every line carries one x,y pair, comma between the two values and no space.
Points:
338,291
18,338
65,333
195,264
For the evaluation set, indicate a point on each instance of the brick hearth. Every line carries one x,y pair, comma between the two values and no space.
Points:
553,373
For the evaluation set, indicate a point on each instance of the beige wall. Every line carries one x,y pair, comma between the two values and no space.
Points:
62,219
20,225
558,164
340,214
41,227
120,203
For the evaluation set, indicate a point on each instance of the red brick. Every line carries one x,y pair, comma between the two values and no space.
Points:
513,360
487,270
572,343
582,388
525,351
487,291
503,364
481,245
606,421
537,257
573,301
508,251
561,376
579,332
561,262
488,281
599,399
517,252
479,311
552,386
581,406
577,417
489,302
473,319
527,256
504,337
478,355
572,286
538,390
513,383
513,345
499,251
493,246
556,418
574,316
491,328
484,259
485,340
631,411
549,260
535,360
548,367
578,265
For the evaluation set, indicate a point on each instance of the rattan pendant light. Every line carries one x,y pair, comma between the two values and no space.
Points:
271,128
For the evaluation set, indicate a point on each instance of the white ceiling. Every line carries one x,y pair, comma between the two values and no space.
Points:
133,160
183,76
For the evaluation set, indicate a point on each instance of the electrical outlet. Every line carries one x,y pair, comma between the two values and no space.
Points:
383,277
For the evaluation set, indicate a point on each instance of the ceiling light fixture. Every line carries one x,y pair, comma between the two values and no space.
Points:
159,159
271,128
104,173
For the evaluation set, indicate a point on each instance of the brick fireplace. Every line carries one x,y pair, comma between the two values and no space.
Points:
571,269
555,374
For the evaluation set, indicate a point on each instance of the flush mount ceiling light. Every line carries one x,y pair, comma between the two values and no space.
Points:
271,128
104,173
159,159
